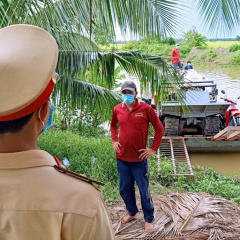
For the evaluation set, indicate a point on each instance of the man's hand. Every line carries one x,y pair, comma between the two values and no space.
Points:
116,146
146,153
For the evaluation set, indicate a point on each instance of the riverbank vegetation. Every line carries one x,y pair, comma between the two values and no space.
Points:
94,157
218,54
193,46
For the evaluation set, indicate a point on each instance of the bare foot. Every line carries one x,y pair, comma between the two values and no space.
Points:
128,218
148,227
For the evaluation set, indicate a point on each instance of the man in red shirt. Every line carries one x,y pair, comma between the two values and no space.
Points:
133,118
176,57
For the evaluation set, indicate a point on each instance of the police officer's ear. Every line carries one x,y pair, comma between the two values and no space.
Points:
44,111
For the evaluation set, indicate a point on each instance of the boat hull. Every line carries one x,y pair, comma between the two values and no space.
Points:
205,144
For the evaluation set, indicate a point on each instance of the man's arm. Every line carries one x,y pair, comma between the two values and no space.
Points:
114,132
172,54
158,127
114,126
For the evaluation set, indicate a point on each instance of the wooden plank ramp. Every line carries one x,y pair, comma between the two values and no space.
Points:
175,149
230,133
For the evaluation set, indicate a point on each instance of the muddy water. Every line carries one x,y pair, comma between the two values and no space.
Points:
228,80
222,162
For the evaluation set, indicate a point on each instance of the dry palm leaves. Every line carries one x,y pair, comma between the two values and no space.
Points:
187,216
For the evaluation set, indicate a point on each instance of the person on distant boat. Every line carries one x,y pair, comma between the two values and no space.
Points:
176,57
188,66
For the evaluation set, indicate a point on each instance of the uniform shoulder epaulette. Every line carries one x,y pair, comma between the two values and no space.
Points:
62,169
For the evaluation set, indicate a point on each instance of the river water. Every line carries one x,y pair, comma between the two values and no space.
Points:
228,80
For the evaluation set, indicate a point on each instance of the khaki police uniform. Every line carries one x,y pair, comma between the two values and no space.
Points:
37,202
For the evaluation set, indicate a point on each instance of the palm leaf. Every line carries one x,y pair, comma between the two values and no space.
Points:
221,16
208,219
85,96
101,68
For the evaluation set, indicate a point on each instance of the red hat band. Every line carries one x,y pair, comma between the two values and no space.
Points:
37,103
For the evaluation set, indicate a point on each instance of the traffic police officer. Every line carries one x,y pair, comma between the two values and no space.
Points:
37,201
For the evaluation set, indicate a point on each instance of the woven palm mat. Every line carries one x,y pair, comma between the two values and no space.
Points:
183,216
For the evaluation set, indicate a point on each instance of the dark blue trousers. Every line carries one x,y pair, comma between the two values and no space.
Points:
128,173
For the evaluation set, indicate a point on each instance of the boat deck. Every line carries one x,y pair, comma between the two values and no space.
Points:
230,133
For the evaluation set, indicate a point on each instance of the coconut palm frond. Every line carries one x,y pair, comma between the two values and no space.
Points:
216,234
69,41
60,18
83,95
99,69
4,5
142,18
190,216
203,221
167,16
143,66
221,16
150,68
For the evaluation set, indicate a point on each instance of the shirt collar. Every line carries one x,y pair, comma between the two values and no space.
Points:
26,159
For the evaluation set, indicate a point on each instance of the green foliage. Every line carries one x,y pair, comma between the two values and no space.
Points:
164,174
235,58
221,44
91,156
191,56
234,48
194,39
94,157
149,47
110,192
103,36
204,56
169,41
206,180
84,123
185,49
151,40
202,47
211,54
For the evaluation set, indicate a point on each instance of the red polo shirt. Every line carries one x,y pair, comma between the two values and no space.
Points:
175,56
133,132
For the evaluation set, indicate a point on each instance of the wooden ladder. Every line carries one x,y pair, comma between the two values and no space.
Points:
175,149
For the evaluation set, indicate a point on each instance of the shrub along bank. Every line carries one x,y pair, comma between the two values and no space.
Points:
213,53
94,157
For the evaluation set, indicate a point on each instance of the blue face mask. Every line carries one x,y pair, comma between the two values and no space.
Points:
189,64
177,47
50,119
128,98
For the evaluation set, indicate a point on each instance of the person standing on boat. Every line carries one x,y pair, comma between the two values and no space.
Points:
188,66
176,57
132,117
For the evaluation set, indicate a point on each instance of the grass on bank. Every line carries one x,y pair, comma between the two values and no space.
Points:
94,157
164,48
222,44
